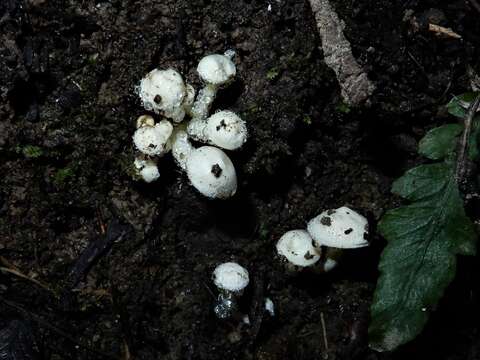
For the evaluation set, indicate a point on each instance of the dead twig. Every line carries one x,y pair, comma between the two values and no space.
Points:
354,83
464,140
11,269
324,333
115,232
443,31
23,276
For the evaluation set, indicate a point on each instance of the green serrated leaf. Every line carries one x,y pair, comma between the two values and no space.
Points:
419,260
422,182
423,238
459,104
439,142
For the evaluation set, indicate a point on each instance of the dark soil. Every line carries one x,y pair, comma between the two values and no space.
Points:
68,110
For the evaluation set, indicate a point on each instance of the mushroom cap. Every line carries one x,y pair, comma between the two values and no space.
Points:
147,169
216,69
230,276
145,120
211,172
152,140
296,246
163,92
341,228
226,129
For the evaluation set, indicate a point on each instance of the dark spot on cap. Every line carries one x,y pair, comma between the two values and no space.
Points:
157,99
330,212
222,125
152,146
216,170
326,221
308,256
348,231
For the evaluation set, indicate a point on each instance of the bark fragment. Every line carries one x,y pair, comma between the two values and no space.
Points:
354,83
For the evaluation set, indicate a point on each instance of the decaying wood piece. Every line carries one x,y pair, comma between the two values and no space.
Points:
354,83
440,30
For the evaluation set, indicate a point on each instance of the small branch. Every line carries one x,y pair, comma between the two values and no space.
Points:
94,251
464,140
440,30
324,333
10,269
355,86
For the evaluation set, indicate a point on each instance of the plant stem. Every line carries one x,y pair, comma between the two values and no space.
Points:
464,140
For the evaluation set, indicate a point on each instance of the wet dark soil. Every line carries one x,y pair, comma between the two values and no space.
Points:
68,110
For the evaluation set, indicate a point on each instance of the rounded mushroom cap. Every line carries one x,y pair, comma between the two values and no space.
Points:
163,92
145,120
230,277
147,169
296,246
341,228
152,140
211,172
226,130
216,69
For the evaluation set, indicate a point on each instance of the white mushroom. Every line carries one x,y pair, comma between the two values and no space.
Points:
211,172
164,92
215,70
329,264
224,129
153,140
147,169
269,306
145,120
230,277
296,246
340,228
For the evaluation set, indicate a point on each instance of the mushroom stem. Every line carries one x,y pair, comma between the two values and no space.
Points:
204,101
181,147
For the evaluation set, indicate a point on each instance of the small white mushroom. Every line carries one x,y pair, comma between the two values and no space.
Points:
296,246
145,120
147,169
230,277
211,172
329,264
153,140
224,129
340,228
215,70
269,306
164,92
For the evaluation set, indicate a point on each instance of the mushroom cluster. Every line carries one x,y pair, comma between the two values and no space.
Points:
165,93
328,232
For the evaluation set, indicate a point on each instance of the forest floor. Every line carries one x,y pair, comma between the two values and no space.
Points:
67,115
